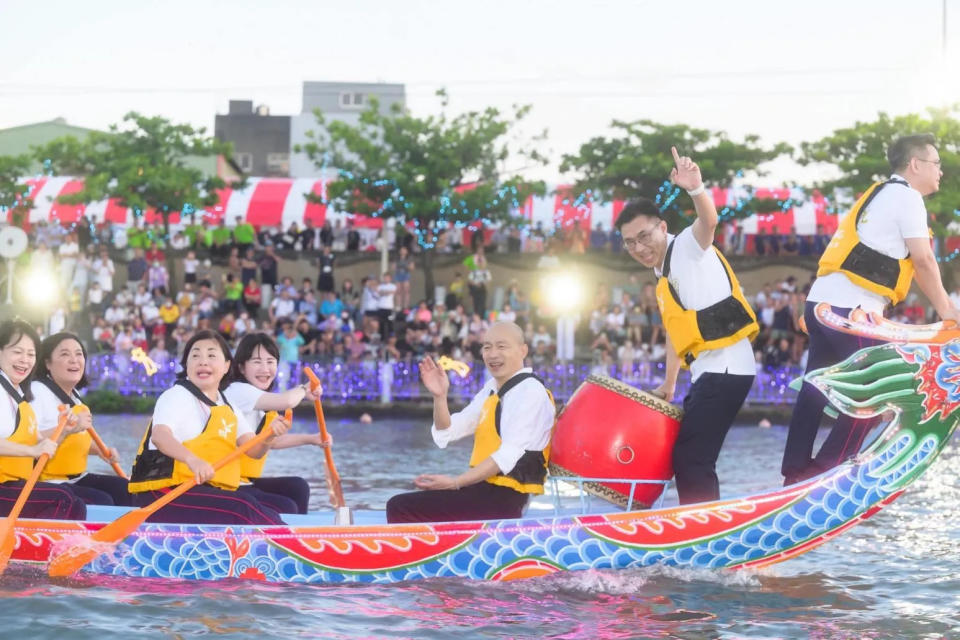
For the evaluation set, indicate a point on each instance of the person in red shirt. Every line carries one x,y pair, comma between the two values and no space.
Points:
155,254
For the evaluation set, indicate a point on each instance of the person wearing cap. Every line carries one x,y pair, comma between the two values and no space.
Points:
880,247
707,320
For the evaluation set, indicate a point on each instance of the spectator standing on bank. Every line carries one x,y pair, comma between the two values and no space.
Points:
269,265
222,239
403,270
248,266
252,298
325,280
386,303
244,235
478,279
103,269
136,270
157,277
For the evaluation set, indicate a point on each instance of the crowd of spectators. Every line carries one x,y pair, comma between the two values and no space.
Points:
378,317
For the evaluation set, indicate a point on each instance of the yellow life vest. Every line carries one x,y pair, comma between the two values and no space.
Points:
253,467
25,433
71,457
692,331
153,469
866,267
530,471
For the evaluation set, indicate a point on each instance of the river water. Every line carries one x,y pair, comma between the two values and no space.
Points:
894,576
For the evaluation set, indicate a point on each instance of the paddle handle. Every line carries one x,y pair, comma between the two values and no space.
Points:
335,485
159,503
38,467
106,453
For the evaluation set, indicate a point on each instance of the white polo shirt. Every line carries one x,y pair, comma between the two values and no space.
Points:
526,421
243,397
187,416
8,410
894,214
700,280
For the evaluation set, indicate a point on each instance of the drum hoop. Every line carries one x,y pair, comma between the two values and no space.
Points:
597,489
644,398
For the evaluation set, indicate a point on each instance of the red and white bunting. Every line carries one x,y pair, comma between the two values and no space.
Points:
276,202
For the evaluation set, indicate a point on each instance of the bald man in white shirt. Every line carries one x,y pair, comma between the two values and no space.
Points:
511,419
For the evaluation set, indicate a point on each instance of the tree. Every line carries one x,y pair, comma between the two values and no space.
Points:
637,161
860,154
143,163
14,193
437,172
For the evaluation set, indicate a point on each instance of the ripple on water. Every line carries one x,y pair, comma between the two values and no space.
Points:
895,576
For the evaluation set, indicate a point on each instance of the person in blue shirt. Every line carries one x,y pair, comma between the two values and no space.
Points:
331,305
290,343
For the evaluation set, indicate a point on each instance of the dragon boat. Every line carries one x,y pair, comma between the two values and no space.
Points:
912,381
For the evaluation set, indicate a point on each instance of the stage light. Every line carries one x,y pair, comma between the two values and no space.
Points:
563,291
40,288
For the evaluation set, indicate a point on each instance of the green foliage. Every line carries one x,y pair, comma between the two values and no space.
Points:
860,154
107,401
394,164
13,192
141,163
636,161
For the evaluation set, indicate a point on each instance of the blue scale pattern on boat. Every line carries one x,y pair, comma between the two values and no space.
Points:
197,552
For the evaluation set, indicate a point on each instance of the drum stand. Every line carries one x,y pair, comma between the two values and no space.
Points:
586,499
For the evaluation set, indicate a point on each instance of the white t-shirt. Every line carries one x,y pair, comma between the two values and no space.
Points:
8,410
114,315
283,308
700,280
526,421
104,270
894,215
190,265
69,250
45,404
243,396
186,415
385,293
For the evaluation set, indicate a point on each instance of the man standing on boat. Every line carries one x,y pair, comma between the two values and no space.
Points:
510,418
708,322
878,249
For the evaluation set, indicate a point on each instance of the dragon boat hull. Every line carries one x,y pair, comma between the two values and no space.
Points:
915,384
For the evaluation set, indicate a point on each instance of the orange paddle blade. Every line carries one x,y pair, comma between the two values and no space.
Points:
71,560
333,478
8,528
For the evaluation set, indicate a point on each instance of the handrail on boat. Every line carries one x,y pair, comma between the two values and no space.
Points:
586,498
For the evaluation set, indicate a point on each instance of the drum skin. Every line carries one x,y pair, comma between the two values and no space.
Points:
609,429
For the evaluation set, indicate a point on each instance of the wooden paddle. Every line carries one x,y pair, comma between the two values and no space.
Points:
71,560
8,536
333,478
106,453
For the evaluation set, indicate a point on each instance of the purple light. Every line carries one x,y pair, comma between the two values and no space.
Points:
361,382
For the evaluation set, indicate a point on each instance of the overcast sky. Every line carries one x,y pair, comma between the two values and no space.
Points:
787,71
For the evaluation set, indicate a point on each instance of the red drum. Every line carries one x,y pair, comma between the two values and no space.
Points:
609,429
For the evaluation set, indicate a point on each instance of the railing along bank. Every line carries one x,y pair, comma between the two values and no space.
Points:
387,381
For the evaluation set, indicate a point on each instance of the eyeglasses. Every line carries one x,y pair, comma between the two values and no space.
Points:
644,237
936,162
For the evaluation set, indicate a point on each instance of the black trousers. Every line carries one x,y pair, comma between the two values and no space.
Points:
205,504
287,494
709,409
95,488
827,347
481,501
47,500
